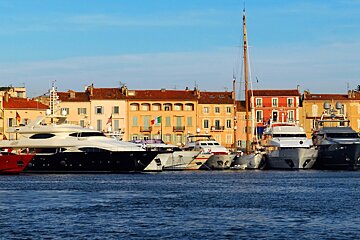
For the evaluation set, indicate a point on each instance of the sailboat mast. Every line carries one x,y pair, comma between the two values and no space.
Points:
246,73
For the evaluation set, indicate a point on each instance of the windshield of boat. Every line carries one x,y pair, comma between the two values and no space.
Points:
302,135
87,134
342,135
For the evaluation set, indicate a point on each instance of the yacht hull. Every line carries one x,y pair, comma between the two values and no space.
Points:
291,158
338,157
218,162
180,160
91,162
249,161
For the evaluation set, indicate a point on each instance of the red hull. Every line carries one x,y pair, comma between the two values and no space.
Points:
12,164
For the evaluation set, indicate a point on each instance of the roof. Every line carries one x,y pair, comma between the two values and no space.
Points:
23,103
107,94
216,97
71,96
286,92
162,95
330,97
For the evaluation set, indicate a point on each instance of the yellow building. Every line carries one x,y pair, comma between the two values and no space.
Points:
16,111
313,107
216,114
167,114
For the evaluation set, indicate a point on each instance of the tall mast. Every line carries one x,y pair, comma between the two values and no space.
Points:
246,73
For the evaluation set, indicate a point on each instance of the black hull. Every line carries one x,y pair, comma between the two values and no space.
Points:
338,157
94,162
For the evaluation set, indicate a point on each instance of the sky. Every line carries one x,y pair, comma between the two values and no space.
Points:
174,44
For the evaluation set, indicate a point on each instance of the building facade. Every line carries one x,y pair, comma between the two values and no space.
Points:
313,108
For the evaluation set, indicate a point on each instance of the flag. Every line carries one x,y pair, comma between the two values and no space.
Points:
156,120
109,120
18,118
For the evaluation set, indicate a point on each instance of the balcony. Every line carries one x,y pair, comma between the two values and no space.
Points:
217,128
145,129
179,128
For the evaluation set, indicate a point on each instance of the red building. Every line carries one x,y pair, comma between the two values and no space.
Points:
274,106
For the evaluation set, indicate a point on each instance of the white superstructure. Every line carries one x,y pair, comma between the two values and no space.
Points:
287,147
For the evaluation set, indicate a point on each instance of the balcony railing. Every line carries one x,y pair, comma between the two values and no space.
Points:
217,128
145,129
179,128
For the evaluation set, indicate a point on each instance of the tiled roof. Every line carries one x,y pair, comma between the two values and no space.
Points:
107,94
71,96
216,97
330,97
23,103
289,92
162,95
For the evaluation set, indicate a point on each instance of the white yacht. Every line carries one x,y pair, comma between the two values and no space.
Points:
65,148
171,157
287,147
220,158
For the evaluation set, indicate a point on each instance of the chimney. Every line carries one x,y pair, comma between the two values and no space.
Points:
90,89
71,94
6,97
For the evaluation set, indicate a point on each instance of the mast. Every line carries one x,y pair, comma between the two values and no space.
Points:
246,72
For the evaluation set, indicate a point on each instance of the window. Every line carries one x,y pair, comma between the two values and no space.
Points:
189,107
258,102
81,111
135,121
206,110
99,125
259,116
167,138
145,107
229,138
134,107
116,110
178,107
168,122
82,123
42,136
189,121
167,107
228,123
99,110
274,116
217,109
11,122
290,116
206,123
274,102
156,107
116,125
135,137
217,124
228,109
314,110
65,110
290,102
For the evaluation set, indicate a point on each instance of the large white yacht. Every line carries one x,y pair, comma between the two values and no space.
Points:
287,147
220,158
62,147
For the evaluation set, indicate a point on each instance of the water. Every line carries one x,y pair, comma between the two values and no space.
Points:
182,205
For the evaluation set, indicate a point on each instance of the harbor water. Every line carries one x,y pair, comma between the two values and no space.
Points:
182,205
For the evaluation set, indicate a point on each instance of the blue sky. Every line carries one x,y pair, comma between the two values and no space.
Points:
173,44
